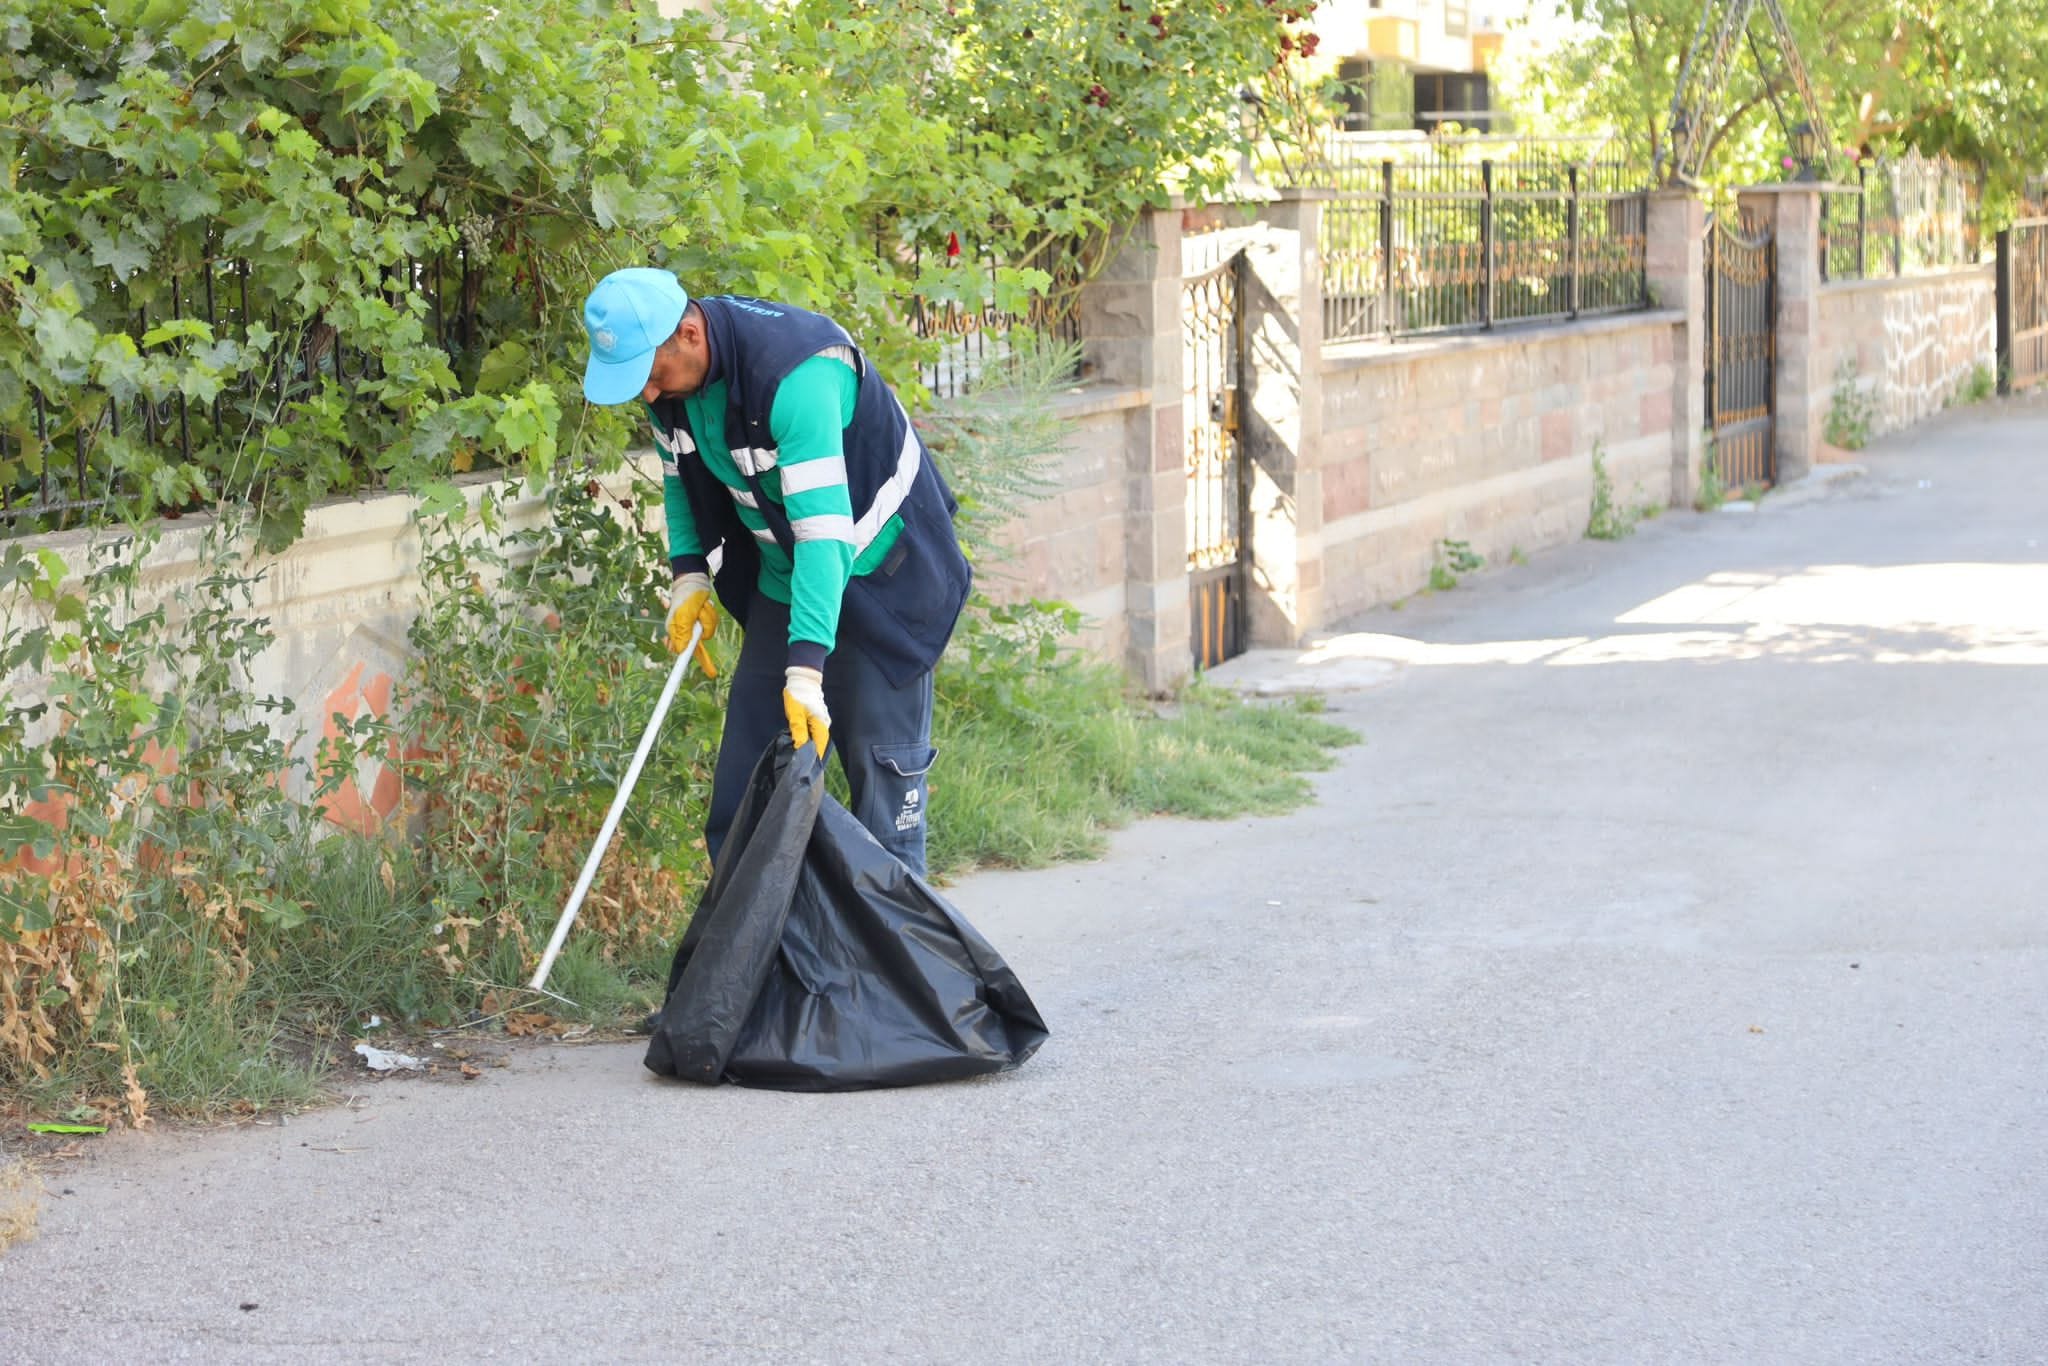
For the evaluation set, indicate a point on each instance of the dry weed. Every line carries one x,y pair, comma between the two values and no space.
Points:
630,902
21,1201
484,780
53,980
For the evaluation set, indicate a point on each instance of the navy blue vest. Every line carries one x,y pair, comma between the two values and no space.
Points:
903,612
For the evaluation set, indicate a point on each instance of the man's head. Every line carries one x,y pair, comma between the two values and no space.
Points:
646,339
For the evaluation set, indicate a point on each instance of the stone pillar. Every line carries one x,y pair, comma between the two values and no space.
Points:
1283,419
1675,263
1792,212
1131,330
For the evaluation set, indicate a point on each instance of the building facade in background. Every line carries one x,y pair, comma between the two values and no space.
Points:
1418,64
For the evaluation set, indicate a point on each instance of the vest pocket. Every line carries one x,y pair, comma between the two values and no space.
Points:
903,619
922,588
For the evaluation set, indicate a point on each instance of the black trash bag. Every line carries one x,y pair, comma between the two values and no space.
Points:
818,962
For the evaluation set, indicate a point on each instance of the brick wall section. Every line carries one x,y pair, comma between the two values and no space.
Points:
1487,440
1912,342
1071,544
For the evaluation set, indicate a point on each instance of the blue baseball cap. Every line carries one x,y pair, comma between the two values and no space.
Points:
627,316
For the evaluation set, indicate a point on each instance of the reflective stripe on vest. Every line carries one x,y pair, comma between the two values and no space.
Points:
674,445
889,498
754,460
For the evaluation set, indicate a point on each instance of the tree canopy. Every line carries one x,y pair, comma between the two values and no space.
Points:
1930,76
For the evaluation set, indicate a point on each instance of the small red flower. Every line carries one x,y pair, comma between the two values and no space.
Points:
952,245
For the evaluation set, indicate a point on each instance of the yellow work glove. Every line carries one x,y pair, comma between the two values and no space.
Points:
803,702
690,606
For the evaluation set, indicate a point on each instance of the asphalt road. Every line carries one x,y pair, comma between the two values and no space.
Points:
1666,979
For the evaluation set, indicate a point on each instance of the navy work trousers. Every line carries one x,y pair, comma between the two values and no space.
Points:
882,734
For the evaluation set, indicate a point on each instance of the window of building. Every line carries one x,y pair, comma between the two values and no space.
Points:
1452,97
1375,95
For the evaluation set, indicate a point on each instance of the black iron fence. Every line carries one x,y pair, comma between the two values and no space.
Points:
975,335
56,469
2022,302
66,458
1901,217
1473,233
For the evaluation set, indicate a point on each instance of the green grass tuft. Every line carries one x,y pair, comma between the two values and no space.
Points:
1072,756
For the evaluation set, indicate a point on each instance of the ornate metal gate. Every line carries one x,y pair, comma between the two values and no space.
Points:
1742,308
1213,369
2023,304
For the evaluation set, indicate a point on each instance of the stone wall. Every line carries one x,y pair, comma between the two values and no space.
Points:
339,602
1488,440
1071,545
1907,344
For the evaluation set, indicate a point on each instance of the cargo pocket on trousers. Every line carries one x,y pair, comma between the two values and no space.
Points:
898,788
905,761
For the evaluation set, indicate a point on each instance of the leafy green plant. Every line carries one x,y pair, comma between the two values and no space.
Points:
1608,521
1980,384
144,822
1712,491
379,198
167,919
997,441
395,207
1086,110
1452,558
539,659
1852,412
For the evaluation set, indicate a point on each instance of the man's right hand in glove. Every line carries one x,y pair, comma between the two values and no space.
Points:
690,607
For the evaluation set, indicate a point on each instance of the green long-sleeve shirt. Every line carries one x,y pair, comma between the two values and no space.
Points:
807,480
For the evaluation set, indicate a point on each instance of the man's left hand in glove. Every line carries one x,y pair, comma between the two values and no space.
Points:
803,703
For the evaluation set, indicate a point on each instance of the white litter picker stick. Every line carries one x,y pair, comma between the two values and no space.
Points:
611,819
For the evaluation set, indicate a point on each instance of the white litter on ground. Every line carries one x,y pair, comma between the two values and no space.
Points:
384,1060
